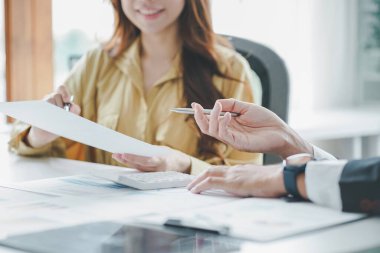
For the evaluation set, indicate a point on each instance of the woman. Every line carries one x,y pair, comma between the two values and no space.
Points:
163,54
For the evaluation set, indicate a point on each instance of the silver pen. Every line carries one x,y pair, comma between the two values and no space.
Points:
205,111
66,106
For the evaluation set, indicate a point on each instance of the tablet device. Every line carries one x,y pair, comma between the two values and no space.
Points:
109,236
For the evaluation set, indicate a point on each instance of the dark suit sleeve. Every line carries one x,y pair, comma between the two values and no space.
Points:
360,186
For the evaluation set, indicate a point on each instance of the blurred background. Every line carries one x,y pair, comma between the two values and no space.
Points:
331,49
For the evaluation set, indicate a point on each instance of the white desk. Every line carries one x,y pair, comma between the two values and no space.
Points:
355,236
355,131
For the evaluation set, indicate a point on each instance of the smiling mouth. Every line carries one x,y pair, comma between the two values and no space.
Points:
150,12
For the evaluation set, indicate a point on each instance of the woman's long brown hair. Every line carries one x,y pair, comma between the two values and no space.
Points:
199,58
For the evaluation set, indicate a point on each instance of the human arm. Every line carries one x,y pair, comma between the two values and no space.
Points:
256,129
352,186
174,160
26,141
179,161
359,185
319,183
242,180
36,137
32,141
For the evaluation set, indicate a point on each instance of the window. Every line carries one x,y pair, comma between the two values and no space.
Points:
77,27
280,25
369,50
315,38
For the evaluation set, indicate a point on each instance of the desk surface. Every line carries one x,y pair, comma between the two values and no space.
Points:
337,123
356,236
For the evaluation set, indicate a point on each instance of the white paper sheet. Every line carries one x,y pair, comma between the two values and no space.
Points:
78,199
81,186
60,122
259,219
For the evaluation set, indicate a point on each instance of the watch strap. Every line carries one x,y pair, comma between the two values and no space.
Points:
291,173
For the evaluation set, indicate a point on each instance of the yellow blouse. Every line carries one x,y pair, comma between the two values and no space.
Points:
110,92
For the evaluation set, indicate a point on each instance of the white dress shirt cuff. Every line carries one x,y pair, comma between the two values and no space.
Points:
322,182
319,154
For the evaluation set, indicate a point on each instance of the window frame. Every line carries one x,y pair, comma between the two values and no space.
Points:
29,49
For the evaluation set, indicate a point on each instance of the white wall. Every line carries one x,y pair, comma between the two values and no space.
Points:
314,37
334,54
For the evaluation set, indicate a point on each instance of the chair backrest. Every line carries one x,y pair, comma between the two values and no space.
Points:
273,76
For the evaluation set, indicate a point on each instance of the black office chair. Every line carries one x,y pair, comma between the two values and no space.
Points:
273,76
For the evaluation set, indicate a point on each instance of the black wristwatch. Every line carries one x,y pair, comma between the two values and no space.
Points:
293,166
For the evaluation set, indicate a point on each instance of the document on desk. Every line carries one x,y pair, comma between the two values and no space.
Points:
84,186
60,122
21,211
108,199
84,197
257,219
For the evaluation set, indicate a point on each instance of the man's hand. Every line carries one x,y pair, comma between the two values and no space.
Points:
256,129
242,180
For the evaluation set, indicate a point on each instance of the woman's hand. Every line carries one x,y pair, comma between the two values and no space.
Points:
38,137
256,129
174,160
242,180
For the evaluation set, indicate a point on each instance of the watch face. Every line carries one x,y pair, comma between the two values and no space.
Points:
298,159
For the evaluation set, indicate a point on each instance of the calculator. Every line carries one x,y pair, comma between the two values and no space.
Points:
152,180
